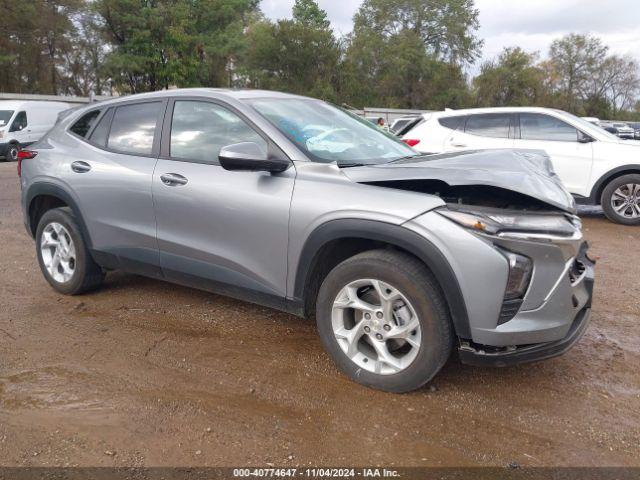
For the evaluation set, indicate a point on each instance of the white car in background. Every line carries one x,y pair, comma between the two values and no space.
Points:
597,167
25,122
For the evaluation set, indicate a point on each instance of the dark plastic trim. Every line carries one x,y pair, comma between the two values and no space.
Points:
394,235
45,188
531,353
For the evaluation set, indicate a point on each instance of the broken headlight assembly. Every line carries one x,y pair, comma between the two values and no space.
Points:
530,226
493,222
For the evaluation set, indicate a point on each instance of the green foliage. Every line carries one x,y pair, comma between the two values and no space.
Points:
36,35
401,53
409,53
513,79
309,14
299,55
161,43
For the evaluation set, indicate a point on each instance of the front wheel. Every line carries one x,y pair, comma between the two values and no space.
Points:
621,200
383,319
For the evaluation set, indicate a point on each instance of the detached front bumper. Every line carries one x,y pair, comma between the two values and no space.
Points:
580,295
528,353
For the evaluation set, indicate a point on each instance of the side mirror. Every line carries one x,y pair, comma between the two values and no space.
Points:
584,138
249,157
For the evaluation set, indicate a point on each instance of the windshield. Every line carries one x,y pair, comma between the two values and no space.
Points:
329,134
5,116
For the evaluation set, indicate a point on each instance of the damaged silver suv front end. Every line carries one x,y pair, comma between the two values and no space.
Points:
547,299
520,256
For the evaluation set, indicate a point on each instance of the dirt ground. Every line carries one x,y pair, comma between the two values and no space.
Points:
144,373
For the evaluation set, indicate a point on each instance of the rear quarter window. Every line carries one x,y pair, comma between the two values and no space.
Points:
83,125
452,123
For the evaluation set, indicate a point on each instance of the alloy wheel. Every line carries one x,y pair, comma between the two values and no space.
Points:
376,326
625,200
58,252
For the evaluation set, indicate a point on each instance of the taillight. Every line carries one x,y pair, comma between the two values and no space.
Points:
24,155
412,142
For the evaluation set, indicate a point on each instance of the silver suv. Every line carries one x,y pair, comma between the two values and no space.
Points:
293,203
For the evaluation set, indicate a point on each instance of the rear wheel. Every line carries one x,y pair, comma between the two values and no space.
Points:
621,200
12,152
63,255
384,321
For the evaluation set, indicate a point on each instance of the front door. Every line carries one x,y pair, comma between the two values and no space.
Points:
228,228
572,160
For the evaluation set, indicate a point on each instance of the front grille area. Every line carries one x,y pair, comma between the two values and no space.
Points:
576,271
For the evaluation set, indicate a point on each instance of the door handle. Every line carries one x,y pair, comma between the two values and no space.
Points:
173,179
80,167
457,144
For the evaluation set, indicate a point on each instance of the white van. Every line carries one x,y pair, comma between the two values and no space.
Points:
25,122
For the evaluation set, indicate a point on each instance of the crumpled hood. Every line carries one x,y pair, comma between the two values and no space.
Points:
528,172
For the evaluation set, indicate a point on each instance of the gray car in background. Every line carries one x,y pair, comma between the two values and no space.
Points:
293,203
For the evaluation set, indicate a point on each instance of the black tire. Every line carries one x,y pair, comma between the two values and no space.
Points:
412,278
607,196
87,274
11,155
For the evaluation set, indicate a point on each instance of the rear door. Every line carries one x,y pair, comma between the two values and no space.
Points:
572,160
482,131
111,175
227,228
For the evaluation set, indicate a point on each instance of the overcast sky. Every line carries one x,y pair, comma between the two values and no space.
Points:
530,24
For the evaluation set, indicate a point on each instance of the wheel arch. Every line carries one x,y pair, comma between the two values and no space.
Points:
604,180
42,197
347,237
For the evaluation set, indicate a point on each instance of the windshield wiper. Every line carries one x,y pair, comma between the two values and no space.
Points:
351,164
407,157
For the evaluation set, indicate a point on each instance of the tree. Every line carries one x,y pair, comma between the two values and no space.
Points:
585,80
573,59
309,14
409,53
159,43
300,55
36,36
445,28
513,79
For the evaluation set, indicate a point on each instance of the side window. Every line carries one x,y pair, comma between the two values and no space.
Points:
134,127
19,123
84,124
495,125
99,134
536,126
452,123
200,129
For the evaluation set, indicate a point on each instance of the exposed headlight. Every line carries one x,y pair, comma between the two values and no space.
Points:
520,269
1,133
496,222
